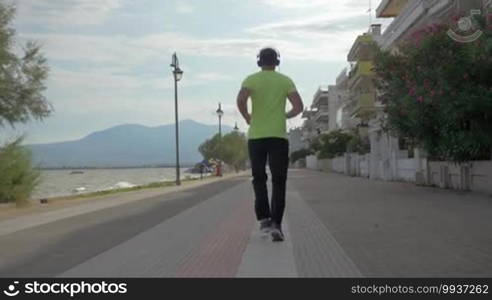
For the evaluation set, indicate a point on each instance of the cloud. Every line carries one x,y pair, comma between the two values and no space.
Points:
101,90
342,6
130,52
62,12
296,4
326,33
324,25
127,53
209,76
124,78
103,80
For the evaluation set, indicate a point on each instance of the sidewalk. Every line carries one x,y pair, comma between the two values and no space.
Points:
220,238
336,226
392,229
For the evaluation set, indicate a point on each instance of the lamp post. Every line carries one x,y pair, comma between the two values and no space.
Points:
236,128
178,74
220,113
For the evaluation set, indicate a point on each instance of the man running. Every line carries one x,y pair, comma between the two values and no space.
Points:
267,136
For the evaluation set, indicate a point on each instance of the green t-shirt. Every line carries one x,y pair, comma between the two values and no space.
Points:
268,92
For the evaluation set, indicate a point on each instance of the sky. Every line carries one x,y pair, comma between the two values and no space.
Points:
109,59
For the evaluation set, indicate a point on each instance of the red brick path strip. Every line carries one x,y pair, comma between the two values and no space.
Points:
221,252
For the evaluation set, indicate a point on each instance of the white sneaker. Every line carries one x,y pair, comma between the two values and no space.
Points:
277,235
265,226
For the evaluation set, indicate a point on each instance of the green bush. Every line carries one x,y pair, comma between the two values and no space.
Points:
299,154
18,179
332,144
359,144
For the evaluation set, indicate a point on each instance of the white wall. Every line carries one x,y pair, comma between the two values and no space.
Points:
311,162
474,176
481,176
406,169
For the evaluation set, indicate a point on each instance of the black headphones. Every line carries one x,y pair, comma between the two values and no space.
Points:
267,51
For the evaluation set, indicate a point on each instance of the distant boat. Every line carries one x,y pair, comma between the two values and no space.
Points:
76,172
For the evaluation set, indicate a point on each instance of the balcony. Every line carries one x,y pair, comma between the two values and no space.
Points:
390,8
364,105
363,69
413,14
361,49
321,97
308,114
322,116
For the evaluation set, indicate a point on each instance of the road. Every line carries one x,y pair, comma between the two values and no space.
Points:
336,226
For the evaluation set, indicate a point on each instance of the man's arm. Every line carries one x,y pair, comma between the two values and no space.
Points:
297,105
242,104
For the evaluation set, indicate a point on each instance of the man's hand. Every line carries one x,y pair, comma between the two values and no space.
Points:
242,104
297,105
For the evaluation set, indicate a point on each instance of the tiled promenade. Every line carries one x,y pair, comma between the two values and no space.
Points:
335,226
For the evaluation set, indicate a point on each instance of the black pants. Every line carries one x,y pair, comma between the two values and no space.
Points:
276,152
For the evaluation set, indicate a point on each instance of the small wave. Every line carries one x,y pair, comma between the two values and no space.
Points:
123,185
79,190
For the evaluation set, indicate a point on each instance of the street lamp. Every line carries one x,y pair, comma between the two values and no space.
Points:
178,74
235,127
220,113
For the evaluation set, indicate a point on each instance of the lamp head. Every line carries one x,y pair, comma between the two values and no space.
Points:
178,74
219,111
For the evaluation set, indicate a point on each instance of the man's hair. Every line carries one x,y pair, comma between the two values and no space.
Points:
268,57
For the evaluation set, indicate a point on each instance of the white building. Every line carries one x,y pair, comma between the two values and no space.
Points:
320,108
296,141
309,131
341,109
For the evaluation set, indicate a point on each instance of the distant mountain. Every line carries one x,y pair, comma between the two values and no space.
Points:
127,146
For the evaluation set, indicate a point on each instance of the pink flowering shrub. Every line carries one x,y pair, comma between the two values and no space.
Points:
438,93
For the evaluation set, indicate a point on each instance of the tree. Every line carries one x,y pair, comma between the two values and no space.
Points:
21,78
231,148
210,148
437,93
22,81
234,150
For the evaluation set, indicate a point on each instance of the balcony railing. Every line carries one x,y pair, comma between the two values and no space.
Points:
307,114
361,69
390,8
364,105
321,96
361,42
321,116
407,17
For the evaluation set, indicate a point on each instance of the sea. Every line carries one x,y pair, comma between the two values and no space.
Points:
66,182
